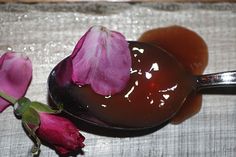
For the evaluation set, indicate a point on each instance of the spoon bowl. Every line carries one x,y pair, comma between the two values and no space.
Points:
151,99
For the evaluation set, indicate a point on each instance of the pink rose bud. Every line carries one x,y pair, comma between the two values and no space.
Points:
101,59
15,76
59,132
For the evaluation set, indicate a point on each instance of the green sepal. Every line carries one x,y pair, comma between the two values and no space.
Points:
31,118
40,107
21,106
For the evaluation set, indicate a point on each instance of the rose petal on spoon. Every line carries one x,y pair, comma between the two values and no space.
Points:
102,59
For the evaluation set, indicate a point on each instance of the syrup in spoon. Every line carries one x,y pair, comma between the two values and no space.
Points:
163,84
158,87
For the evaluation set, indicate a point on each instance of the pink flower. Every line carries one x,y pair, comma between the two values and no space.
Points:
59,132
101,59
15,76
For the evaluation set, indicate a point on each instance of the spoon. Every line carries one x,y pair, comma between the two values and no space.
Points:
217,83
158,87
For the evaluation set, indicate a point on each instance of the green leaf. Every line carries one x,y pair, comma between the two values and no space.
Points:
31,118
40,107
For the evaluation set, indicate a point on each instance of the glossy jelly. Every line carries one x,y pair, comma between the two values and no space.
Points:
158,86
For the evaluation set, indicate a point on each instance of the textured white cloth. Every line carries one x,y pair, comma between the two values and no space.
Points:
48,32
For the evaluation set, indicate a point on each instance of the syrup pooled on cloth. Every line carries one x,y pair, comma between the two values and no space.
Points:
157,88
191,51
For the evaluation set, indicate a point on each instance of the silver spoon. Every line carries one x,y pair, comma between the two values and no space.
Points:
221,83
218,83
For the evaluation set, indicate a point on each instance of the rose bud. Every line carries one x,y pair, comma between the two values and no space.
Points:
15,76
39,120
101,59
59,132
43,123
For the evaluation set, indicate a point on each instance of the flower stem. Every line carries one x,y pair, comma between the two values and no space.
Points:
8,98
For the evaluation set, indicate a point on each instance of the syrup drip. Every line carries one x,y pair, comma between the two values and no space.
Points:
191,51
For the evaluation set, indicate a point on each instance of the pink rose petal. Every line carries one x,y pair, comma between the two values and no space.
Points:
102,59
15,76
64,72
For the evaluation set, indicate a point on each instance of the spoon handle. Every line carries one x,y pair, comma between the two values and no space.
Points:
217,83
